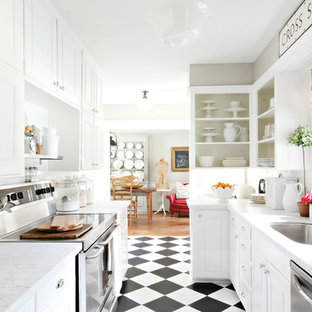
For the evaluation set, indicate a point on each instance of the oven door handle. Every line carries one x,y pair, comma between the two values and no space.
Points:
306,296
106,242
100,250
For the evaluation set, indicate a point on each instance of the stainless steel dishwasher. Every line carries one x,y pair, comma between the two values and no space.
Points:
301,289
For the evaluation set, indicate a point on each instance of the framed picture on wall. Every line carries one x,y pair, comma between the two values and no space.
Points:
180,159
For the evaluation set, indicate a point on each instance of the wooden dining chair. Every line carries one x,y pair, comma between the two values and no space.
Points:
123,190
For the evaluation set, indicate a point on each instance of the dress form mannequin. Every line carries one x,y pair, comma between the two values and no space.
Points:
162,182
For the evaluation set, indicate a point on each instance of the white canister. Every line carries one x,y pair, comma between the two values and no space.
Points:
67,195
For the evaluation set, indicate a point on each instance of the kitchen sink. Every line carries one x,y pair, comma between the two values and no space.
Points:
298,232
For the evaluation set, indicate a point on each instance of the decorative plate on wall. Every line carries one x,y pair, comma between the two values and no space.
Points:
121,145
121,155
138,146
129,145
117,164
139,154
129,154
139,164
128,164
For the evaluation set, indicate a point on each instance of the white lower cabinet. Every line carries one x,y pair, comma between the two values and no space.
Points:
209,241
270,289
234,256
55,294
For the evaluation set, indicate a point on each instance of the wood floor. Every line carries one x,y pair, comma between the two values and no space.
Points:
161,226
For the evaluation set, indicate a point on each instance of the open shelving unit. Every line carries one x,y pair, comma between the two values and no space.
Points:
219,148
265,116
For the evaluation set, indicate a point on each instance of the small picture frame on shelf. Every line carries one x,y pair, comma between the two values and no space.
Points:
180,159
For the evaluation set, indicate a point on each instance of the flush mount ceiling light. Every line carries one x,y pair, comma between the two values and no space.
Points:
179,22
144,104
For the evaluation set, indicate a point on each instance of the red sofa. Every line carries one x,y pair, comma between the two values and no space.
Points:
177,205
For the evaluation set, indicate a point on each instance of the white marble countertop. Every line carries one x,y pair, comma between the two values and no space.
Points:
25,266
260,217
102,206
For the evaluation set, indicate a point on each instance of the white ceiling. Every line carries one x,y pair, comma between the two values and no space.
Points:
125,45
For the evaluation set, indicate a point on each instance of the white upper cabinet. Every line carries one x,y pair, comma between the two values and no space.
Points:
92,93
69,64
52,52
11,120
88,84
40,43
11,33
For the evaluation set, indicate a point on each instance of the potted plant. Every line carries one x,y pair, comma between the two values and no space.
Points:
303,206
301,137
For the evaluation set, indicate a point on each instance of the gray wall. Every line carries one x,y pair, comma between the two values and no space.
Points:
267,58
221,74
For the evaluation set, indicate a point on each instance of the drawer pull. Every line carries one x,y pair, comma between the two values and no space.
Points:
60,283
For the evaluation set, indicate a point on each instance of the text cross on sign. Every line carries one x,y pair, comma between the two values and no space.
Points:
297,25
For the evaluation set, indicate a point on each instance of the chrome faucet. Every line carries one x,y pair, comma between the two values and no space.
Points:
4,204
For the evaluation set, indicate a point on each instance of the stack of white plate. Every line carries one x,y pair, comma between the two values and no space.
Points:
266,162
234,162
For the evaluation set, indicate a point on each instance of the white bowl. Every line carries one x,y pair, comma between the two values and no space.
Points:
223,193
206,161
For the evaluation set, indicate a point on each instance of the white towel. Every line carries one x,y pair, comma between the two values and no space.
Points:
116,262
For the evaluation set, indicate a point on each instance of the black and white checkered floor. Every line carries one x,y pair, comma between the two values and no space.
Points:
158,280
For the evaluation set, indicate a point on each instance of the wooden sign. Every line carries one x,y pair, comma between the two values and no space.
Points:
296,26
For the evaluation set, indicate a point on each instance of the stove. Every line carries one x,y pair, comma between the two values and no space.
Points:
24,207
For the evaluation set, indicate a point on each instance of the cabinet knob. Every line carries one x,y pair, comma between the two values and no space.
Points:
266,272
243,229
235,236
62,87
243,268
261,266
243,295
56,83
243,246
200,215
60,283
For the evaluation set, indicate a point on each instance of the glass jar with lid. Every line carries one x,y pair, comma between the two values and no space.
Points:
90,189
67,195
82,191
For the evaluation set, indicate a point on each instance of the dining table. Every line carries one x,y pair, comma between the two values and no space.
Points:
148,193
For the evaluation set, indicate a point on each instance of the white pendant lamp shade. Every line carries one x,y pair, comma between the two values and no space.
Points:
179,22
144,104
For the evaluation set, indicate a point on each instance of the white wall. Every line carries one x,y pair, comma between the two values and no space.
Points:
160,147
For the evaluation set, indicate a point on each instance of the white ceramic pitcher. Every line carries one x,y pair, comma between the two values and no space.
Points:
231,132
292,195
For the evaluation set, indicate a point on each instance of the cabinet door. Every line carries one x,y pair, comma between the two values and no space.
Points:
11,120
87,143
98,145
69,64
258,284
11,32
98,109
209,230
40,43
278,289
234,257
88,84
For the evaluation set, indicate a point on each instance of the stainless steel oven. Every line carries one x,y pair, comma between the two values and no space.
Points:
301,289
96,274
